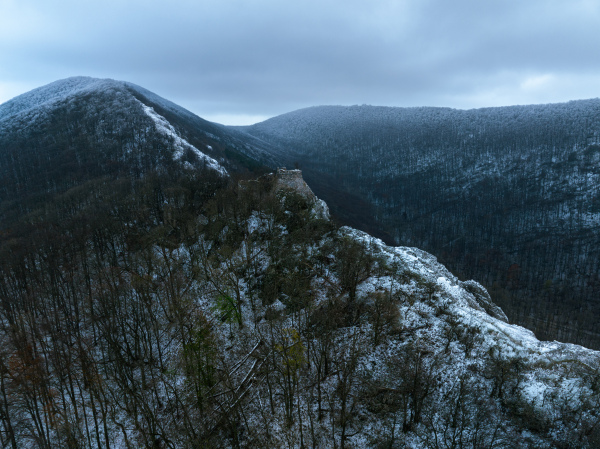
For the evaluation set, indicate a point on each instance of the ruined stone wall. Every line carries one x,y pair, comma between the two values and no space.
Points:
292,179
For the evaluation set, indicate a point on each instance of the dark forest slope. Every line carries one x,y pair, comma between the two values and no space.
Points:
80,129
508,196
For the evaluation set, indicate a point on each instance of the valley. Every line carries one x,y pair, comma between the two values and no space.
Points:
508,196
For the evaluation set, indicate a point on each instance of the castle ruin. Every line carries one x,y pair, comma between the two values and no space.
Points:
292,179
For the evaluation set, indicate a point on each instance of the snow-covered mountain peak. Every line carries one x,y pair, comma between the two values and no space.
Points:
53,92
107,124
62,90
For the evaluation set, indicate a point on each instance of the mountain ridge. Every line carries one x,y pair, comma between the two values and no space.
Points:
148,300
407,175
61,89
490,191
46,135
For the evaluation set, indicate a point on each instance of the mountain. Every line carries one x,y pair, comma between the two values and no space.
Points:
509,196
75,130
158,293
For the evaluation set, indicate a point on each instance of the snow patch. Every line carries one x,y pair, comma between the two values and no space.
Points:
452,290
164,127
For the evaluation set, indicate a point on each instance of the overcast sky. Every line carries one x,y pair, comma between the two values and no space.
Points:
238,62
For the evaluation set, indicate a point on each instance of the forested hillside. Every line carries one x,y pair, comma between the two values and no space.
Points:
508,196
80,129
160,289
192,311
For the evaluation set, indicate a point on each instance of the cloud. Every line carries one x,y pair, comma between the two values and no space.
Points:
537,82
265,57
235,119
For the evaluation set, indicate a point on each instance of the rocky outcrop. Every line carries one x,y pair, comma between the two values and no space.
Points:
483,299
293,180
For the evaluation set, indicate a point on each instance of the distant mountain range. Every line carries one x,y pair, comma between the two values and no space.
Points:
507,196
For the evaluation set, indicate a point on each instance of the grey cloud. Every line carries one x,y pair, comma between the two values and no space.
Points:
267,57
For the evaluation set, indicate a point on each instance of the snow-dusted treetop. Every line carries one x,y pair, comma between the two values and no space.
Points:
33,108
61,90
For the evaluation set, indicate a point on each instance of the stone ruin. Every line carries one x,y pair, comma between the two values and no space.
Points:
292,179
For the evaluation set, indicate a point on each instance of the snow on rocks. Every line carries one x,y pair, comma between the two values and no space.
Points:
459,297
